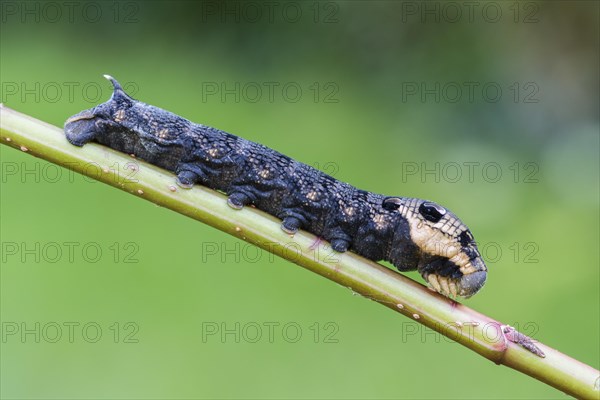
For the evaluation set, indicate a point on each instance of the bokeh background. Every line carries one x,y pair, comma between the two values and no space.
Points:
498,99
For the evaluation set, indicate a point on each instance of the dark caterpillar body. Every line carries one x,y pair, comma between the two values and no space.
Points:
410,233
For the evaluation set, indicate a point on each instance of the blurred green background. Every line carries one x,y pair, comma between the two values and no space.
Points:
498,101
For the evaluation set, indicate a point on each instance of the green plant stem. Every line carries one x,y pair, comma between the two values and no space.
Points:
476,331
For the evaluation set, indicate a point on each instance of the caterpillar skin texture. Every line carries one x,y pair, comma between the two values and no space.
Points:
410,233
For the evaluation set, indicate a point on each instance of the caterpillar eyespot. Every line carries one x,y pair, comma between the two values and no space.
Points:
391,203
408,232
431,212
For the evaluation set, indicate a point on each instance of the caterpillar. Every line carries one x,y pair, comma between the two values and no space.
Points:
410,233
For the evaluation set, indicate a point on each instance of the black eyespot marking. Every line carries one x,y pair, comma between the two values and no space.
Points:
431,211
391,203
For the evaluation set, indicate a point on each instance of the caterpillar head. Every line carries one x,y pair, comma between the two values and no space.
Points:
434,241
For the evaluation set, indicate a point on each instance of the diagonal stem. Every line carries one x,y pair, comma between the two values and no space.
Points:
480,333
